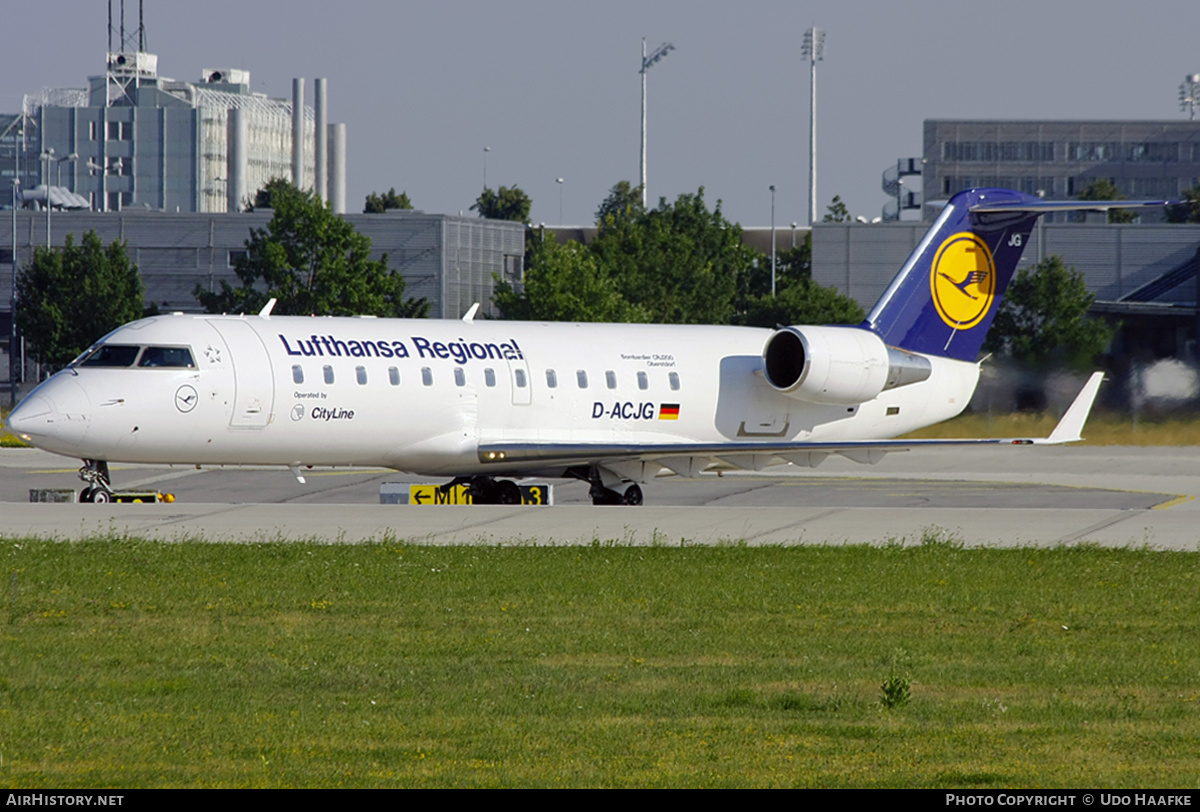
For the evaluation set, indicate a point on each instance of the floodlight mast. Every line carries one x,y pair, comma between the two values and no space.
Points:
647,61
814,49
1189,94
14,367
772,241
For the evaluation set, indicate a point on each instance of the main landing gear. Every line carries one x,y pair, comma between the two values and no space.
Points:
606,489
632,495
487,491
99,488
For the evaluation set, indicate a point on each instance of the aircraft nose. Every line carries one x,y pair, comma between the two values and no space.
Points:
54,416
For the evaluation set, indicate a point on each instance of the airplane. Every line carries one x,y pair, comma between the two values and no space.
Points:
484,402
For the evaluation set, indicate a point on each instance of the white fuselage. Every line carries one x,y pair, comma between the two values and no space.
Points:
422,395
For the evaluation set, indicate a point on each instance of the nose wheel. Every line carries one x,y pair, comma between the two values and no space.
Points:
95,474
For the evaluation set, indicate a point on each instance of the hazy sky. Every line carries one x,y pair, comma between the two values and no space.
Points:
553,87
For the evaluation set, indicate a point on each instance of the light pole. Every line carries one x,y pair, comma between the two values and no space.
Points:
94,168
13,365
559,181
74,156
1189,94
48,157
814,49
794,225
647,61
486,150
772,241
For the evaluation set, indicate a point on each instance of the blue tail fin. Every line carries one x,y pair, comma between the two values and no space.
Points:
944,298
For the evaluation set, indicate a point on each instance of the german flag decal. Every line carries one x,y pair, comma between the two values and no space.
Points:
668,411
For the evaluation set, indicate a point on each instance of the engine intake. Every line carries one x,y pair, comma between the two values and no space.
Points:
837,365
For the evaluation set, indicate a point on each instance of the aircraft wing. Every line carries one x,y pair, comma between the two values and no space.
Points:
688,459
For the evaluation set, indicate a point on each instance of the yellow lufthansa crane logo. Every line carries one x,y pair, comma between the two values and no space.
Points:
963,280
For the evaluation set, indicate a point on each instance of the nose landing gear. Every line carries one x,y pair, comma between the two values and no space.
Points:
99,488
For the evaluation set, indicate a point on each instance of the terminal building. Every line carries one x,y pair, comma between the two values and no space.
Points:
1149,160
450,261
134,139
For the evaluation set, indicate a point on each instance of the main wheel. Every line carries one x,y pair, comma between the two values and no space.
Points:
85,495
604,496
101,496
509,492
633,495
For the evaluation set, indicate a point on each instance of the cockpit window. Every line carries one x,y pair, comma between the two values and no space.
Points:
177,357
111,355
125,355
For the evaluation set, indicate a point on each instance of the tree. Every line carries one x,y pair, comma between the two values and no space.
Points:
264,198
798,299
70,297
378,204
681,263
505,204
314,263
1188,211
1043,321
565,283
624,200
1105,189
837,213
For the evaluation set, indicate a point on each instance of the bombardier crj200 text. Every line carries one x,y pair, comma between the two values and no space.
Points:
482,402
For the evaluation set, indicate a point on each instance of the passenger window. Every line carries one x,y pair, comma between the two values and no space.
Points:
297,374
643,381
173,357
674,379
551,379
460,377
489,376
427,376
361,374
581,378
328,374
394,376
610,378
519,374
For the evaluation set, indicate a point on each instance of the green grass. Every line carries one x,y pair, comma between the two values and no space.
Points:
128,663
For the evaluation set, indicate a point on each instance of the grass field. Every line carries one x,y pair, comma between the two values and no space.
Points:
128,663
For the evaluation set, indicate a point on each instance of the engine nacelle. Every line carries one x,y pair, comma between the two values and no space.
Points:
840,366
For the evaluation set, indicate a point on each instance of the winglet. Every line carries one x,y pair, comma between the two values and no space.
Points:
1069,428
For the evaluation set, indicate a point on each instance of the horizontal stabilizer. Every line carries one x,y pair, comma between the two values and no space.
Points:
1047,206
